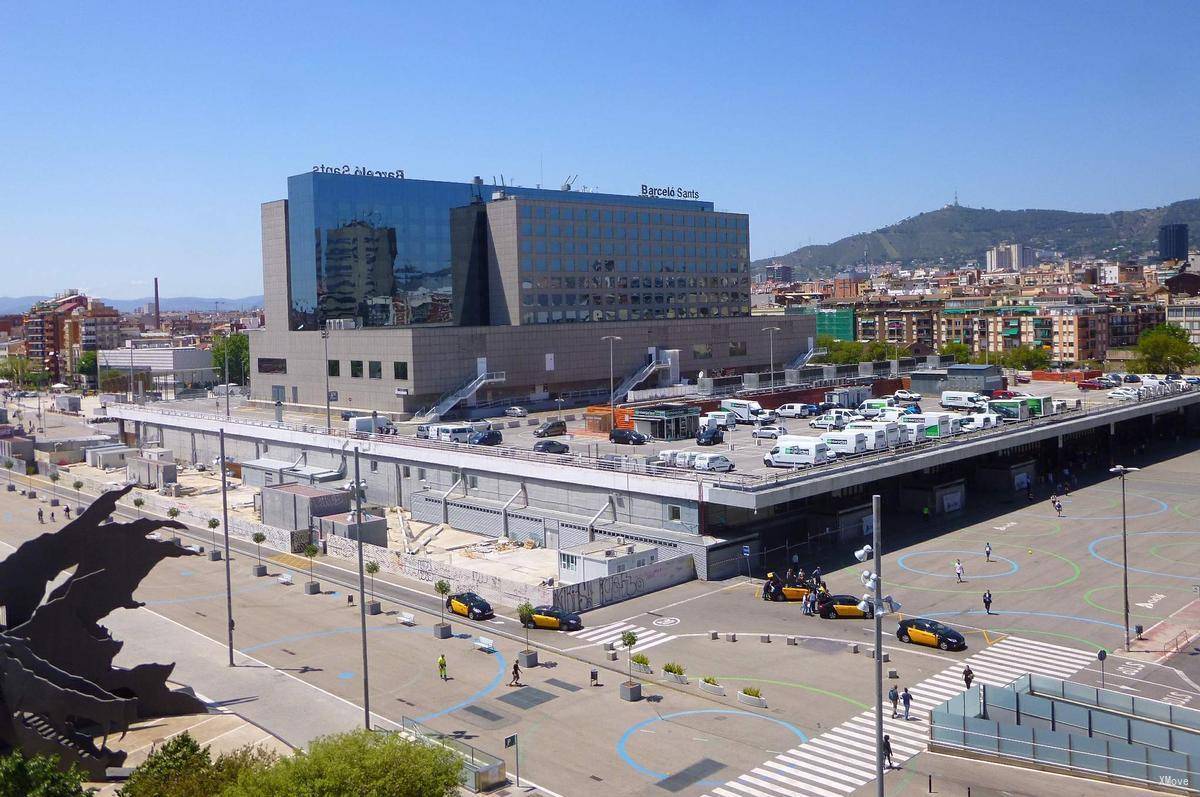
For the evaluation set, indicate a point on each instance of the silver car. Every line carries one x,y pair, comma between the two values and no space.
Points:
769,432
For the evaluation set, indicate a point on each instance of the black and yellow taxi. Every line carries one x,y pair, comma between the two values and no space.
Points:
831,606
920,631
775,589
554,619
470,605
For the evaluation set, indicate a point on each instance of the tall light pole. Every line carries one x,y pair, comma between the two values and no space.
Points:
1121,471
227,340
612,385
771,334
225,526
328,416
362,599
876,601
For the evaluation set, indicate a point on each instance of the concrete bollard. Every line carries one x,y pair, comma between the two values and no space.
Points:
892,673
765,638
854,647
731,637
611,655
791,640
609,646
713,635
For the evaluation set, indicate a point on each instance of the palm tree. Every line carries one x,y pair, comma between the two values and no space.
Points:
629,639
212,525
442,588
259,538
525,613
139,502
310,551
372,568
78,485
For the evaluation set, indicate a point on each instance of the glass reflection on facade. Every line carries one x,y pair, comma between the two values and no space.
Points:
376,251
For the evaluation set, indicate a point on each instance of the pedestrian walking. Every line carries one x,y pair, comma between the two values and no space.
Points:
516,674
958,570
441,662
67,512
887,750
41,518
987,551
987,601
968,676
51,517
894,696
1058,507
906,699
816,574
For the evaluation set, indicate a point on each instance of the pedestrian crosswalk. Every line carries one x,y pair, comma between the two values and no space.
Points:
647,637
842,759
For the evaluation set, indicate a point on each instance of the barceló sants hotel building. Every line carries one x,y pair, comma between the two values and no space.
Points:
399,293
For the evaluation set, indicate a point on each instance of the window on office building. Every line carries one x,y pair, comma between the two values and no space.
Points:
356,369
567,561
674,512
399,370
333,367
737,348
272,365
702,351
374,466
375,369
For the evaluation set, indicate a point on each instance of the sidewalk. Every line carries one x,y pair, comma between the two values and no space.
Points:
1167,637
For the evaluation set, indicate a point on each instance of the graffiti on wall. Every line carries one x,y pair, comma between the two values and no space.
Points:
607,590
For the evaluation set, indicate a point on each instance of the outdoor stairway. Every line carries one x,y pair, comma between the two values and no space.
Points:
451,399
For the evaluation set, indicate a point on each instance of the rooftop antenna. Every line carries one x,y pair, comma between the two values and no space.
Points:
955,197
568,184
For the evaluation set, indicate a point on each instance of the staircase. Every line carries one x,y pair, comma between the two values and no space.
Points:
637,377
451,399
802,359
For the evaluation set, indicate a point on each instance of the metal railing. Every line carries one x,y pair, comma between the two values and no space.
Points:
448,401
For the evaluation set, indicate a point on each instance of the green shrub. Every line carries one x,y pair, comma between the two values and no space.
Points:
708,679
673,668
640,658
751,691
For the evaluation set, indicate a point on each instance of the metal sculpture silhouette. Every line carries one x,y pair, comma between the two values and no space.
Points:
58,686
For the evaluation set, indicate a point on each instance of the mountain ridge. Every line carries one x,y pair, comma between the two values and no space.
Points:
21,304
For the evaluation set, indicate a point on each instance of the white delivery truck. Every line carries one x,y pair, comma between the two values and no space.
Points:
929,424
962,400
747,411
880,434
367,423
792,451
846,442
719,418
872,407
452,432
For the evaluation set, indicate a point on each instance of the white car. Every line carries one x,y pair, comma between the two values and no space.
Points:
1124,394
713,462
769,432
906,395
980,420
794,410
516,412
828,421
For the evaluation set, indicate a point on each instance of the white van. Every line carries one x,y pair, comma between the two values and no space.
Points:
686,459
724,420
713,462
872,407
962,400
452,433
791,451
365,423
929,424
977,421
846,442
880,434
747,411
794,410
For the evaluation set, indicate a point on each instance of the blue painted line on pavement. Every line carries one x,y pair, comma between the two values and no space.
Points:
347,675
623,742
1013,567
1107,561
208,596
1027,614
1162,507
501,668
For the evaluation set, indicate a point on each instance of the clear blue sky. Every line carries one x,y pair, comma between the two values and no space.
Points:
139,141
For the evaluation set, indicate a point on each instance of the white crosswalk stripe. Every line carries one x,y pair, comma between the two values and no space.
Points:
647,637
842,758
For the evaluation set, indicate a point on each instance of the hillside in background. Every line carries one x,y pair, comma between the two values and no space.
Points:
955,233
21,304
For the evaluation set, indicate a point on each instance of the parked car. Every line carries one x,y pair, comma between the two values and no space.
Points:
1192,380
829,421
1003,394
551,447
918,631
710,436
491,437
469,605
769,432
713,462
1092,384
627,437
516,412
842,606
1022,379
423,431
1131,379
980,420
907,395
554,619
551,429
1125,394
797,410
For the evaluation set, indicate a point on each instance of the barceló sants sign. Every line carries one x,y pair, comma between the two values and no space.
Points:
358,171
670,192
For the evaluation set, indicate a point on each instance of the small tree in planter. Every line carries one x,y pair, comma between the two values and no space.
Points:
213,524
312,587
528,656
373,606
259,538
54,477
442,629
630,690
78,485
138,503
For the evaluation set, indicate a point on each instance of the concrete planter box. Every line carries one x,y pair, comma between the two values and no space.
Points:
177,541
679,679
441,631
631,691
31,494
374,607
214,555
260,571
528,658
712,689
645,669
53,502
757,702
312,587
12,488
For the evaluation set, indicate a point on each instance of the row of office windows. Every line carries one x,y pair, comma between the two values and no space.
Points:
634,217
622,282
704,351
374,369
599,299
530,246
621,233
630,314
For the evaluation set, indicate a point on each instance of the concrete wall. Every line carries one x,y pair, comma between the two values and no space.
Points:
373,529
607,590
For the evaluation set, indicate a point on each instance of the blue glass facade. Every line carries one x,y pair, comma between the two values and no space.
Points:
377,250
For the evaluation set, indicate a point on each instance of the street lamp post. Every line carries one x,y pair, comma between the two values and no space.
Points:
225,528
771,334
878,604
559,401
612,385
328,416
362,597
227,340
1121,471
